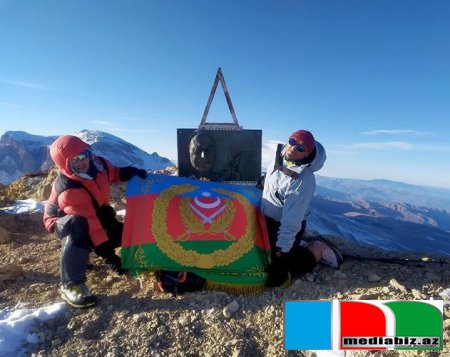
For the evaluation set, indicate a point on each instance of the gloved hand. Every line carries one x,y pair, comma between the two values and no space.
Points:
115,265
106,215
106,251
126,173
278,271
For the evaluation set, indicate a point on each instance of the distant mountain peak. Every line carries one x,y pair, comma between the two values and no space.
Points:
22,153
382,190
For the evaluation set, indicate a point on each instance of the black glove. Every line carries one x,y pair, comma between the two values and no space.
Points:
126,173
278,271
115,265
106,215
106,251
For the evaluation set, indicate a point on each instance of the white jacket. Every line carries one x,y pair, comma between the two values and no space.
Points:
287,200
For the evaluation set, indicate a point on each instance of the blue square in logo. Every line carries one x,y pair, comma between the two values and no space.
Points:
307,325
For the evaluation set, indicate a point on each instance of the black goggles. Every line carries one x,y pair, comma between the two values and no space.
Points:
298,147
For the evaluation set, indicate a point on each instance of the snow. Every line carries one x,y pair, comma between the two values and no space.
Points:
16,323
13,144
388,236
120,152
30,205
24,136
446,296
24,206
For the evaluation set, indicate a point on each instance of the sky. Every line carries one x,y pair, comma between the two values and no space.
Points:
370,79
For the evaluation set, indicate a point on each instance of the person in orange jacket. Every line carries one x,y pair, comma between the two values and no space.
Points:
78,212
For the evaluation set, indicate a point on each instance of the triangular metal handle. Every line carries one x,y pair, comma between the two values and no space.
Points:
219,126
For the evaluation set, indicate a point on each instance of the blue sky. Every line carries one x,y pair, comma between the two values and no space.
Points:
370,79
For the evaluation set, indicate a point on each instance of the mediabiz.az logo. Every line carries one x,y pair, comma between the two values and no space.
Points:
363,325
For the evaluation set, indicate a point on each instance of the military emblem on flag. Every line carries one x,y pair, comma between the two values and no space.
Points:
206,214
214,230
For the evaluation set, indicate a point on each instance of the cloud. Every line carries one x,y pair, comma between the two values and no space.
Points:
128,130
103,122
399,145
24,84
11,105
269,146
397,132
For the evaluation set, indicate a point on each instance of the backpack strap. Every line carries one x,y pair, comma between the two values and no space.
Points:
279,164
62,184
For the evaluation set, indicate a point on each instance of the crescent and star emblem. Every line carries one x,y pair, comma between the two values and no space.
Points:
207,206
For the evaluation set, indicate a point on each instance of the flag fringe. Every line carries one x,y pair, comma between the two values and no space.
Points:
235,289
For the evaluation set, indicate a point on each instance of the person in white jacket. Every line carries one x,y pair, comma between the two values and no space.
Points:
289,187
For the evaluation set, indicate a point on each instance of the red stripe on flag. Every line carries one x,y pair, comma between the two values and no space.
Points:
138,220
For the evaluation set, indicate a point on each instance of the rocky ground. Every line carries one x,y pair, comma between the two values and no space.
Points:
134,320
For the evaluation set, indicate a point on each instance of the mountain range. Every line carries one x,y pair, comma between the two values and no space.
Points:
23,153
390,215
383,191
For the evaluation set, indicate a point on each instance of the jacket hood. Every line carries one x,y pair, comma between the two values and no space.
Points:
320,158
315,165
64,149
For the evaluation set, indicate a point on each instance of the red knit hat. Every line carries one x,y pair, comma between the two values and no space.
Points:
306,138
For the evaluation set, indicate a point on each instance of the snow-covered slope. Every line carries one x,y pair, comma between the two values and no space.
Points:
22,153
120,152
391,215
395,227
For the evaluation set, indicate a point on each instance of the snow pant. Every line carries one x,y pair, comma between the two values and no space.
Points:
301,260
73,230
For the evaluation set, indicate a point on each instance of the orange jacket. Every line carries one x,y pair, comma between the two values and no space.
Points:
77,200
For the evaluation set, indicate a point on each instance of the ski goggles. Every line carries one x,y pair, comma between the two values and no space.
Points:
298,147
81,156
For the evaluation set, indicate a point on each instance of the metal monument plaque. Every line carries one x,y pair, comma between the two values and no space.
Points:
220,151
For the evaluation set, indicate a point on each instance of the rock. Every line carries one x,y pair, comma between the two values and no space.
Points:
432,277
230,309
372,296
33,338
10,272
236,352
310,277
136,317
5,237
339,275
417,294
373,277
57,342
395,284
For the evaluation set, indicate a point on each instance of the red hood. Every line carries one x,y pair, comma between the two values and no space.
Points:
64,149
